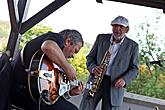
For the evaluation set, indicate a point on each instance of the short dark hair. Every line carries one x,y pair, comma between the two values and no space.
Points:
75,35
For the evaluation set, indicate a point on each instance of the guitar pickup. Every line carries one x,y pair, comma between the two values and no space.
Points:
47,75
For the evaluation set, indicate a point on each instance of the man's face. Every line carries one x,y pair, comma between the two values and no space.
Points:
119,31
71,49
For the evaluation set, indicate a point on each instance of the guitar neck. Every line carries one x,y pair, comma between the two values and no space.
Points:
74,83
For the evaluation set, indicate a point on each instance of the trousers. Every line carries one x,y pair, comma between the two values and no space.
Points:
22,99
103,93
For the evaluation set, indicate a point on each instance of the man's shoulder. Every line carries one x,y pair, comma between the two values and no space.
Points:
52,36
104,36
131,41
47,34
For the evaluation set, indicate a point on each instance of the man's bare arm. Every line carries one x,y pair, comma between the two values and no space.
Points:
55,54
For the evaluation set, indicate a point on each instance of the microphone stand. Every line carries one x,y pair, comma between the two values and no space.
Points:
157,62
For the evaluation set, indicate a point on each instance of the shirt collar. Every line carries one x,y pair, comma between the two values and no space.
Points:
112,42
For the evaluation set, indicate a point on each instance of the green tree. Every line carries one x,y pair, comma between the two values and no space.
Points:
79,62
4,29
34,32
4,33
27,36
150,80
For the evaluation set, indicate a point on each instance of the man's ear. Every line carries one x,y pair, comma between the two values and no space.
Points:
67,41
127,29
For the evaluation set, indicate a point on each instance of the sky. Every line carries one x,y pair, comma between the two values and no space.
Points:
92,18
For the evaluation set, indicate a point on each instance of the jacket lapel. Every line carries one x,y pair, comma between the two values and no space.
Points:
122,50
106,44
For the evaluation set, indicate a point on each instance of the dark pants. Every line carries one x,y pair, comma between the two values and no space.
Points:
63,104
23,100
90,103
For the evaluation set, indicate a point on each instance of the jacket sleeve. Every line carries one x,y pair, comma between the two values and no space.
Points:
92,56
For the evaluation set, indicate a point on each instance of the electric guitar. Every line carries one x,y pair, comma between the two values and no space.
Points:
46,81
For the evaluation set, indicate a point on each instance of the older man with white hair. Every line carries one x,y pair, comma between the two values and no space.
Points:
107,81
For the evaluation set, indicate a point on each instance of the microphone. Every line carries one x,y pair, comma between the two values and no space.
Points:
159,62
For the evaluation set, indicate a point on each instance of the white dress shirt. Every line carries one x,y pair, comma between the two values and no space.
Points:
114,48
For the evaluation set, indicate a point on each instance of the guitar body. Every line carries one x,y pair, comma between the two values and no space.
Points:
44,79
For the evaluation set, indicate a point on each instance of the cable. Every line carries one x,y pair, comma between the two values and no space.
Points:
39,102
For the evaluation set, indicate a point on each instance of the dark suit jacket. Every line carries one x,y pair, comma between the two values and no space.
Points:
125,64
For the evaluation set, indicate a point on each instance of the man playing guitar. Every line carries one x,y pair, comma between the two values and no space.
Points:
57,47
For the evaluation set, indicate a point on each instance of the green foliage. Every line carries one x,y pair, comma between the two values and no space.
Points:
150,43
79,63
4,29
87,47
149,83
151,79
34,32
2,48
4,33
